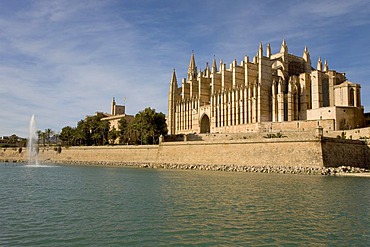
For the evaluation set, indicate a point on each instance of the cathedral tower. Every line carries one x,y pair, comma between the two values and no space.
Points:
172,104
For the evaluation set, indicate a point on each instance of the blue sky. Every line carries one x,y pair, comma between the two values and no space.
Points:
63,60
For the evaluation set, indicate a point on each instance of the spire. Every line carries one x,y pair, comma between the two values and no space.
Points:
268,52
192,70
306,55
284,47
173,79
214,65
260,51
326,66
319,64
172,97
207,71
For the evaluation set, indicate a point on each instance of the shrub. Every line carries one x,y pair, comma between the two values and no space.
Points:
277,135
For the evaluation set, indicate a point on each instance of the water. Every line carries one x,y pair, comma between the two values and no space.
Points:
96,206
32,144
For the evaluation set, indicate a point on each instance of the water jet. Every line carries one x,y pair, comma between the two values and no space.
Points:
32,144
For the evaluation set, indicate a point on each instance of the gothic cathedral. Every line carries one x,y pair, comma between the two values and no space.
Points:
273,92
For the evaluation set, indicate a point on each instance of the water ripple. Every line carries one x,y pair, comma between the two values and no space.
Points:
87,206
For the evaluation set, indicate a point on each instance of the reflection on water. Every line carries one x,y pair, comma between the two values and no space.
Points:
38,165
147,207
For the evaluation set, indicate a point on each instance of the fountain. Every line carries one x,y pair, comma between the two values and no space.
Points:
32,144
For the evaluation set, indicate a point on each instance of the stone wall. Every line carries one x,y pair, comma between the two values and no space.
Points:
338,152
244,152
288,126
248,152
361,133
105,153
345,117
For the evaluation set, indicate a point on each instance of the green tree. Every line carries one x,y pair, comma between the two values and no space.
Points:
55,137
122,130
82,133
113,135
13,139
68,136
133,132
41,136
147,126
104,128
92,131
100,132
48,134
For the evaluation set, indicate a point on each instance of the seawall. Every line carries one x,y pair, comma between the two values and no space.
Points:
311,152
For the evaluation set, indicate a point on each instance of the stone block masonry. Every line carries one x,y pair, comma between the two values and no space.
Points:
338,152
275,152
262,152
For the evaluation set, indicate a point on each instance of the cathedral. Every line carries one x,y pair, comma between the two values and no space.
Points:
271,92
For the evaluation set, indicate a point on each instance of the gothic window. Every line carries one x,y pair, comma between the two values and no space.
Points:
325,92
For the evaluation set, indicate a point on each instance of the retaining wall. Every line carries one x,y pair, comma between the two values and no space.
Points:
272,152
268,152
338,152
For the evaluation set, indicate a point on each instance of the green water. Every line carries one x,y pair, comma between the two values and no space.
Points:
96,206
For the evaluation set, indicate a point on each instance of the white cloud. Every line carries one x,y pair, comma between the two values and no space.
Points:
63,60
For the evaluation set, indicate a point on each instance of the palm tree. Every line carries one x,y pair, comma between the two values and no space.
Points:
113,135
48,133
56,137
40,136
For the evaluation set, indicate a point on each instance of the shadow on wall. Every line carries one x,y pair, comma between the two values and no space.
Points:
345,152
174,138
182,137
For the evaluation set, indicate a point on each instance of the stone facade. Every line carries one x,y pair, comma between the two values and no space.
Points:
281,89
117,112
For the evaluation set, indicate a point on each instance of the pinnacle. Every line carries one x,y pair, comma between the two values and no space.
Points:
174,79
284,47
